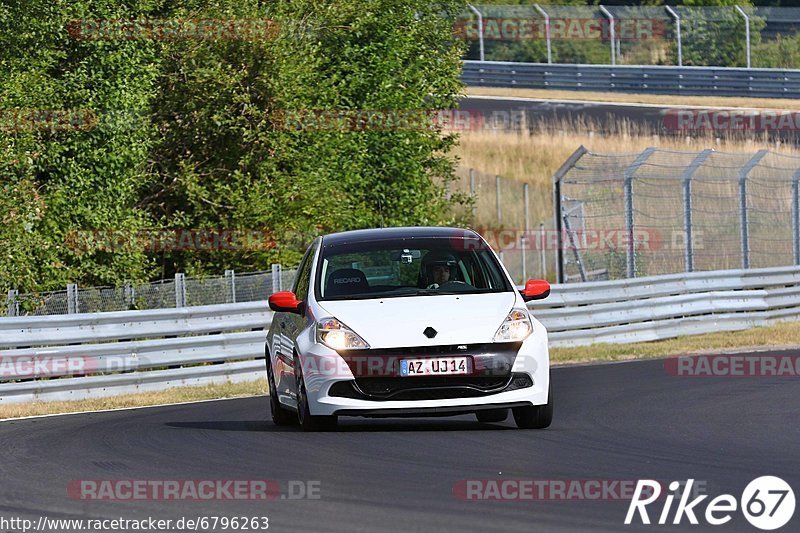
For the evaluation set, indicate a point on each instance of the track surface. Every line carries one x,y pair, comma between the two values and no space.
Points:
602,117
617,421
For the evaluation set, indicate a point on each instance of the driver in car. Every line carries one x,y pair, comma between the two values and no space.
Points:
438,268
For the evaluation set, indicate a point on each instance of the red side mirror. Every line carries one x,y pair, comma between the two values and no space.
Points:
535,289
285,302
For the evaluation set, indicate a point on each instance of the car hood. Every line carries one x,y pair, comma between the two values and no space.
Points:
400,322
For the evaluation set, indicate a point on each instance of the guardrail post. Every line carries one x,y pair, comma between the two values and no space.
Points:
230,284
796,217
746,32
557,209
13,304
744,222
180,290
480,29
687,208
628,199
546,32
677,18
607,13
72,298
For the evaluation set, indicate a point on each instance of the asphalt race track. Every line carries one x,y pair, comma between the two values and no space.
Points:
613,422
604,117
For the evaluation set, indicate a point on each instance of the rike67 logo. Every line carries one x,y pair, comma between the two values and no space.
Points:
767,503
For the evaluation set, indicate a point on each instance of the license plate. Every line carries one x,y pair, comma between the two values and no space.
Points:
434,366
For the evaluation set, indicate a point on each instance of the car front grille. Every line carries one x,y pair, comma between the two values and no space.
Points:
428,387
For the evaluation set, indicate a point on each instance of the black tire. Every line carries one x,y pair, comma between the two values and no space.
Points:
491,415
535,416
309,422
280,415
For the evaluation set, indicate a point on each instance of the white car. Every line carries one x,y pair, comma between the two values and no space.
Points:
421,321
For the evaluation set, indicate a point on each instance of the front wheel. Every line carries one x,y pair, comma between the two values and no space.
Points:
280,415
535,416
308,421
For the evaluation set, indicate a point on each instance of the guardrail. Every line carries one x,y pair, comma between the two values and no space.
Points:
712,81
662,307
104,354
88,355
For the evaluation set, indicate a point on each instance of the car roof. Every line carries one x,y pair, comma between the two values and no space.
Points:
379,234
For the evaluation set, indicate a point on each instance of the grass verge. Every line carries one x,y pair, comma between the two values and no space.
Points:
176,395
783,335
657,99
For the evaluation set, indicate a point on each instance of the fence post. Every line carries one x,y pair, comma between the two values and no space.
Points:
607,13
677,18
744,222
525,234
687,208
472,191
180,290
544,251
230,284
546,31
276,278
13,304
557,214
497,191
480,29
796,217
72,298
628,191
129,294
746,32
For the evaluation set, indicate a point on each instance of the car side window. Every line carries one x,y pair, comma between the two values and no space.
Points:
301,282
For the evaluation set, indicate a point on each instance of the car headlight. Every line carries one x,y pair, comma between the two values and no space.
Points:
516,327
337,336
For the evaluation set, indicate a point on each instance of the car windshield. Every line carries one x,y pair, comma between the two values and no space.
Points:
407,267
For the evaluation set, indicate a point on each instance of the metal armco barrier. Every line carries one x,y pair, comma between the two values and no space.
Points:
130,351
663,307
90,355
713,81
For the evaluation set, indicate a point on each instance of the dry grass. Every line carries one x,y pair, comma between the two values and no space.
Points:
176,395
536,157
711,101
783,335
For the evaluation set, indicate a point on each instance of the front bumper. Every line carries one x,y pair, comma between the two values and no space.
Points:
496,369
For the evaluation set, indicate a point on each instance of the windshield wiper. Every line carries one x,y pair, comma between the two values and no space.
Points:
432,292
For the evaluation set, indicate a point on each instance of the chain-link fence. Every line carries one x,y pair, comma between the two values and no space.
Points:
729,36
661,212
508,214
179,292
